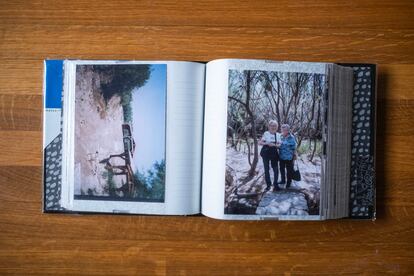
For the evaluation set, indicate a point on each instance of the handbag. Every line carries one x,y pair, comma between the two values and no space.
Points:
296,173
269,152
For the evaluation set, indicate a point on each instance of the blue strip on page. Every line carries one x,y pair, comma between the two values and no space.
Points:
54,83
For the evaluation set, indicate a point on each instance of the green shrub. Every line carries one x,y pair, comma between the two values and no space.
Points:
121,80
306,147
151,184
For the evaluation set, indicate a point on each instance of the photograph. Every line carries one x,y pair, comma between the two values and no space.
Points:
274,143
120,126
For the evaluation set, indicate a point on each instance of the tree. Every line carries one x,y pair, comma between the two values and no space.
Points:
121,80
295,99
255,97
244,95
150,185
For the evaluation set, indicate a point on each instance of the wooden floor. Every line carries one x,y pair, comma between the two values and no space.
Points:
337,31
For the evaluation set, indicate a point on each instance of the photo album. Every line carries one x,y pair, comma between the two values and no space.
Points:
229,139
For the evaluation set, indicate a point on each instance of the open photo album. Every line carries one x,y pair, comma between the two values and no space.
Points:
229,139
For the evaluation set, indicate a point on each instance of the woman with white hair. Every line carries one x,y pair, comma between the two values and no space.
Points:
270,155
287,150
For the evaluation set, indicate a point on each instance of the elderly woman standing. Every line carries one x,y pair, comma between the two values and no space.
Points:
287,150
270,154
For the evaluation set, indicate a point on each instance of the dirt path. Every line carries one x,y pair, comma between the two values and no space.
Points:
250,196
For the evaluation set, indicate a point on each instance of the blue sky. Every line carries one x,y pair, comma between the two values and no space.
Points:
149,107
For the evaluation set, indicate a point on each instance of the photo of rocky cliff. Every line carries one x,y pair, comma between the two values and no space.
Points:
120,132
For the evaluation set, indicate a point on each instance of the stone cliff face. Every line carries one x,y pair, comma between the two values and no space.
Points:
98,133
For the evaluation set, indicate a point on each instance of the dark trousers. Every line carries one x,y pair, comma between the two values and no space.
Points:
286,165
273,163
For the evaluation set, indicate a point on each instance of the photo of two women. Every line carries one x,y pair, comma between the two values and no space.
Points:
274,143
278,153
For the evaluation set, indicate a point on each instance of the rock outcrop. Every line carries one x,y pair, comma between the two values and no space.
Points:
98,133
284,202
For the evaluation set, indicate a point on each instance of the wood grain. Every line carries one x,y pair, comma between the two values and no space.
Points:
379,32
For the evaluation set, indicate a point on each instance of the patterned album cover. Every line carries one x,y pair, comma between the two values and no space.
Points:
362,194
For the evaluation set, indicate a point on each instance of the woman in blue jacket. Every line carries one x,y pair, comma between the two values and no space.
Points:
287,150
